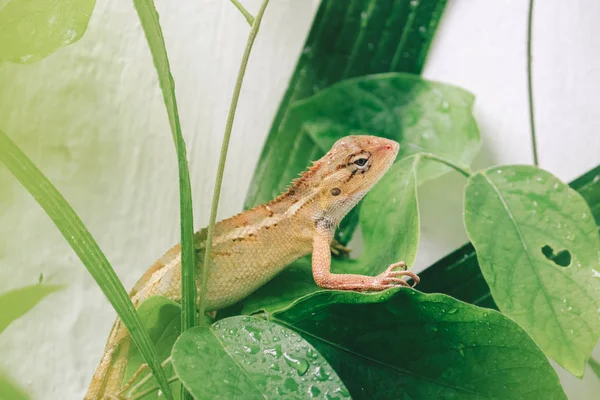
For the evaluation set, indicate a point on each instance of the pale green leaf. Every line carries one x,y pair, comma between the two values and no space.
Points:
15,303
250,358
10,391
538,248
33,29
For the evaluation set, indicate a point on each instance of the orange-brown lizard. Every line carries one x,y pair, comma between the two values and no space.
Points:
251,248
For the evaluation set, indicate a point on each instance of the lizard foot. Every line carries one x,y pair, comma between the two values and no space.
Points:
393,277
338,249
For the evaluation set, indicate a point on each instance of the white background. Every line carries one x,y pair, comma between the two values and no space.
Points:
91,116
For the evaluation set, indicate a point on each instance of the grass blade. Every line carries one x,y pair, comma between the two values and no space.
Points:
84,245
151,25
149,19
223,157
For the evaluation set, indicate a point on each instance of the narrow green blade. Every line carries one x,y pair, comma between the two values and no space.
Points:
82,242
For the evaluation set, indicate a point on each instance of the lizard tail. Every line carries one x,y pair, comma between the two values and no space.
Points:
108,378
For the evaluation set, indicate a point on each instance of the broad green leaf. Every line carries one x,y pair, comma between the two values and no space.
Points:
458,274
33,29
250,358
16,303
82,242
162,319
150,23
9,391
390,223
423,116
402,344
539,251
347,39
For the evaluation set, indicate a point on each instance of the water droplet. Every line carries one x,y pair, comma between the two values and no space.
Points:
596,273
291,385
275,352
251,349
299,364
596,179
414,3
321,375
445,106
311,353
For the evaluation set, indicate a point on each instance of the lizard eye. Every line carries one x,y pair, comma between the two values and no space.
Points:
359,162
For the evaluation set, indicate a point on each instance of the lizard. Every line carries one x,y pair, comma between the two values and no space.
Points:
252,247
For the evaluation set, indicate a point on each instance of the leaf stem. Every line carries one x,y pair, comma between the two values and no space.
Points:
153,389
464,171
244,12
226,136
145,379
530,84
595,365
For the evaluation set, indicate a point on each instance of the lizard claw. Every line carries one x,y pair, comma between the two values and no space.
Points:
339,249
393,277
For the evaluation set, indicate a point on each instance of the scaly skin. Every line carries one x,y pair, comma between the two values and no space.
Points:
251,248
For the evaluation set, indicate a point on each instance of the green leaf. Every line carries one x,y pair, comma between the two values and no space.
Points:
16,303
9,391
33,29
390,223
539,251
347,39
149,19
423,116
250,358
81,241
458,274
402,344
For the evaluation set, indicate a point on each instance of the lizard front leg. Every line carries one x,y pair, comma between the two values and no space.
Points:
321,268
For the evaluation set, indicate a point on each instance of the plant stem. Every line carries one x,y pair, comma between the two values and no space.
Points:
244,12
152,389
530,84
595,365
226,136
465,171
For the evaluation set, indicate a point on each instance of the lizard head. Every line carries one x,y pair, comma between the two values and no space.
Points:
350,169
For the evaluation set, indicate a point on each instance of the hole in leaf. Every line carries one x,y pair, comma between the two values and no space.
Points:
562,258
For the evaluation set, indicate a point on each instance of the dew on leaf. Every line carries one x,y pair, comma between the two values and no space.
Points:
320,374
313,391
300,364
291,385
